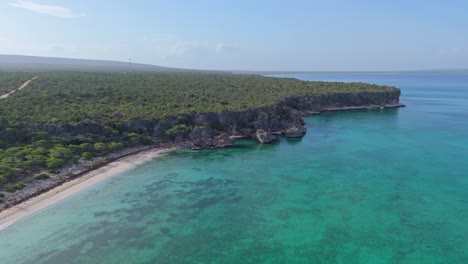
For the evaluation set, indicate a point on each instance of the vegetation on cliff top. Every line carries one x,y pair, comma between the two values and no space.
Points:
108,101
74,97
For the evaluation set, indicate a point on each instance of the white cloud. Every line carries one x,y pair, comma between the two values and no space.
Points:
57,11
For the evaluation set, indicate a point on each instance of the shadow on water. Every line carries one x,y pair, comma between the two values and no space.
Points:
358,116
357,113
273,145
291,141
240,147
247,145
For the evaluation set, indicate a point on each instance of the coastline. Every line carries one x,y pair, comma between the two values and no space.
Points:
77,178
81,181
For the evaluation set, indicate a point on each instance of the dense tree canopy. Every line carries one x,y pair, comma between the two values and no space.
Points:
28,142
10,81
73,97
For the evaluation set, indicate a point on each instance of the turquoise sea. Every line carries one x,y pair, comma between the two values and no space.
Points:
385,186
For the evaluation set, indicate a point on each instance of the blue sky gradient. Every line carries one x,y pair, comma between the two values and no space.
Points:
243,35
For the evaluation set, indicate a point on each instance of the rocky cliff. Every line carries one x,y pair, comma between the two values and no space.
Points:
212,130
221,129
285,118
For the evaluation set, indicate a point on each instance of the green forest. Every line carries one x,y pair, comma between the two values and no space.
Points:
10,81
105,102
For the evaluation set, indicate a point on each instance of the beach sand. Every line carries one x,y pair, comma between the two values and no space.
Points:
17,212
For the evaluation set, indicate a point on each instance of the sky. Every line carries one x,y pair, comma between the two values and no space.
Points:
273,35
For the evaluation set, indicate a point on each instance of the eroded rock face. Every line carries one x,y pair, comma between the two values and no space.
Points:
201,137
284,118
295,131
264,137
247,132
222,141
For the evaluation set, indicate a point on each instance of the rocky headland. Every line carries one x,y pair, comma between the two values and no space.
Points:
210,130
222,129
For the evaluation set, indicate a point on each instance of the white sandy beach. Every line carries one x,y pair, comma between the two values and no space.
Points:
15,213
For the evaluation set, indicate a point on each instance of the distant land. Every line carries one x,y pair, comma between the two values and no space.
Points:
34,63
325,72
37,63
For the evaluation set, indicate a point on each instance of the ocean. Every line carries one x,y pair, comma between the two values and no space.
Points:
383,186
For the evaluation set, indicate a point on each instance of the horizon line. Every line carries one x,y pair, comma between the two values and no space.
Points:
250,71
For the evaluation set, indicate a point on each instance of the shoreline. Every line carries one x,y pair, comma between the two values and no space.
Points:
79,182
84,177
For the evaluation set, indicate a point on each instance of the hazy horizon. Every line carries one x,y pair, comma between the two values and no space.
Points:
260,36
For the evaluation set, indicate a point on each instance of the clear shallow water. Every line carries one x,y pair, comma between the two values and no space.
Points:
363,187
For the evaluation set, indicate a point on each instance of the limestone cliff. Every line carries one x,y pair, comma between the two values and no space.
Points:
263,123
221,129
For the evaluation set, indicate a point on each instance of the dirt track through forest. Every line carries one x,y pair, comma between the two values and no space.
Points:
19,88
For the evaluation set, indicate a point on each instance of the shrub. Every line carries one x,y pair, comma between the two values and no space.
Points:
115,145
10,189
87,155
42,176
100,147
146,140
178,130
14,188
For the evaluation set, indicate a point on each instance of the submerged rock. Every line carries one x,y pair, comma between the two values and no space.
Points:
264,137
222,141
295,131
374,107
